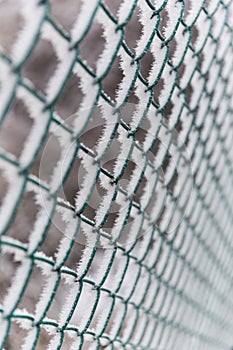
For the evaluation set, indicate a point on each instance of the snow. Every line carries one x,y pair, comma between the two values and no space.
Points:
174,12
195,9
125,10
91,168
65,57
112,42
83,21
149,24
68,150
20,278
8,80
42,220
159,53
4,324
33,16
129,70
15,188
128,274
29,339
83,114
55,342
46,295
41,120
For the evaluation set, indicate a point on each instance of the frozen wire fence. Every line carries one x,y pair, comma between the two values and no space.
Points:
141,257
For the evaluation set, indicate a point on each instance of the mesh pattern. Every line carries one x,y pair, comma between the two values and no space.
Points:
157,272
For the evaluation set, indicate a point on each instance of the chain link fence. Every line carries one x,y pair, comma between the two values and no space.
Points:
116,170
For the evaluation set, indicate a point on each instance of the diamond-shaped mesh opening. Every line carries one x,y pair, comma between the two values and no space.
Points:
15,127
92,45
146,64
133,29
69,100
3,186
113,6
94,130
127,110
157,90
23,223
111,82
94,200
33,291
188,94
111,218
8,266
163,21
194,35
40,65
65,15
53,235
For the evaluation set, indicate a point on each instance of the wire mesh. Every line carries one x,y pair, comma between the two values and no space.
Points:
127,190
